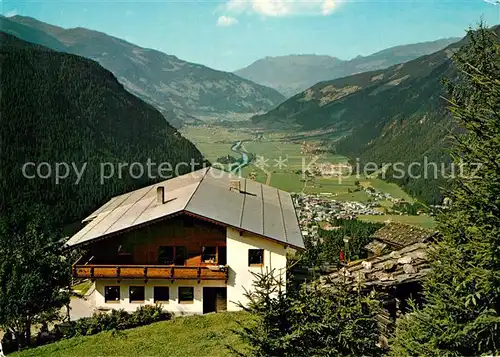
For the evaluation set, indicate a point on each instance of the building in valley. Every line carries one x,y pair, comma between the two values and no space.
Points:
190,243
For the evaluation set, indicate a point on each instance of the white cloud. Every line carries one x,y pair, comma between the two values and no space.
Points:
494,2
278,8
226,21
329,6
11,13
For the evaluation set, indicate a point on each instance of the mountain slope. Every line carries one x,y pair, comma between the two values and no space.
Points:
392,115
179,89
293,74
30,34
59,109
289,74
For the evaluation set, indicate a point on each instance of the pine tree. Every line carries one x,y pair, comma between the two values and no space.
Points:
461,316
307,321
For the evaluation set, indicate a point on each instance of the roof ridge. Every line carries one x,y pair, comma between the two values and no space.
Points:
282,216
243,203
197,187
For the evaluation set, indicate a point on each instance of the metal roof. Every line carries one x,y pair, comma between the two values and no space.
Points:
256,208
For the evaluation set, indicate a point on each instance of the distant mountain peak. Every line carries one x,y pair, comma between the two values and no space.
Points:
292,74
179,89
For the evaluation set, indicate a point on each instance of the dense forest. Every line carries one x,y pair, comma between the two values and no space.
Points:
393,115
58,109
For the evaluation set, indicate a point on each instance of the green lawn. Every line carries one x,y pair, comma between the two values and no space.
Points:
422,221
205,335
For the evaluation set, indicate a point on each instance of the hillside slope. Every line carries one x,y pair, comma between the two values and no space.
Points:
293,74
392,115
204,335
59,108
180,90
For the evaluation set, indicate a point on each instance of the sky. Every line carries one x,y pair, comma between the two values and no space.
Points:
231,34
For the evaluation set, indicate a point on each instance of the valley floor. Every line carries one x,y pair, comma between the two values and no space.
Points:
423,221
281,159
195,336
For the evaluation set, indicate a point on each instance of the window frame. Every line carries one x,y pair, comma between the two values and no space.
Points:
250,264
178,258
167,288
130,293
115,301
215,255
161,249
179,295
222,255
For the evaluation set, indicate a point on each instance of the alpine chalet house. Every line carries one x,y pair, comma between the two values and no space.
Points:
190,243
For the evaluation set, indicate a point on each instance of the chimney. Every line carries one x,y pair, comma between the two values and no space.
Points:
235,186
160,195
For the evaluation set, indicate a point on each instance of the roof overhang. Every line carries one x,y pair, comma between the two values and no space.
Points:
176,214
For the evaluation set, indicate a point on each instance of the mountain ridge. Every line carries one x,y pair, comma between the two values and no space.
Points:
391,115
290,78
181,90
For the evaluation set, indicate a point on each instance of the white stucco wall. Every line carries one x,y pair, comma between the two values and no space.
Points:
240,278
240,274
173,304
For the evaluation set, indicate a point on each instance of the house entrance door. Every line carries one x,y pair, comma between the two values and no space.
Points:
214,300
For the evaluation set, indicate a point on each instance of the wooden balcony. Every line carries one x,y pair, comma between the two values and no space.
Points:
150,272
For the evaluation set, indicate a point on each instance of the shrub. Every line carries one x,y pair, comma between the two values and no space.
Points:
146,315
117,320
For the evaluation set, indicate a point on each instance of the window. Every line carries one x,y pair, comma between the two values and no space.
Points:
172,255
111,293
166,255
180,255
255,257
161,294
222,256
186,295
136,293
209,255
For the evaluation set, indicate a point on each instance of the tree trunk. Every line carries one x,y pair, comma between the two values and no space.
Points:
27,332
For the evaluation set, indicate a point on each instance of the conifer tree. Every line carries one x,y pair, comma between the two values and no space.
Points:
307,321
461,316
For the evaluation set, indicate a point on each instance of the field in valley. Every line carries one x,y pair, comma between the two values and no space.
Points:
422,221
281,163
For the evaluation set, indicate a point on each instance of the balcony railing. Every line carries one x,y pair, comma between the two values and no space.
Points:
150,272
